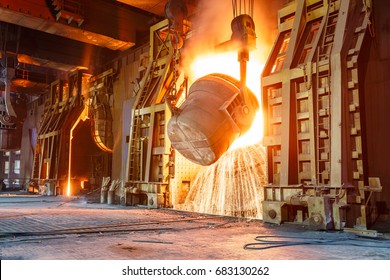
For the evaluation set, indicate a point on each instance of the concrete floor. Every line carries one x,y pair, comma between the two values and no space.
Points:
36,227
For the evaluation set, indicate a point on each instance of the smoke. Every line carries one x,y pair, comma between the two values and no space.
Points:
211,25
231,186
208,30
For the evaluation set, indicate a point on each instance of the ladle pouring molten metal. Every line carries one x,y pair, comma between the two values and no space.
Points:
211,118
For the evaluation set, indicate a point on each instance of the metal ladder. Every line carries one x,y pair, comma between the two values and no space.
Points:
323,95
151,79
354,117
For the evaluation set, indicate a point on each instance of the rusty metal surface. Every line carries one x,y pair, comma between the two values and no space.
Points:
152,6
315,121
102,25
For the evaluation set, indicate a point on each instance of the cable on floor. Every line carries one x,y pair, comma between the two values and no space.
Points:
277,241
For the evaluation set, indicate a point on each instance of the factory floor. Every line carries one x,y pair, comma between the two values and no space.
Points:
34,227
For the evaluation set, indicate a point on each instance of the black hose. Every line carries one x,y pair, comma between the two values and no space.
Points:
263,243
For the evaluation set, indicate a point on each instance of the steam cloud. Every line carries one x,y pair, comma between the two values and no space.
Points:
211,26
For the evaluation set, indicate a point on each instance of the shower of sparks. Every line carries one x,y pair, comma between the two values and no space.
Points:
232,185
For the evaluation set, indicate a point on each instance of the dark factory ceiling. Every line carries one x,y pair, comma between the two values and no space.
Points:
152,6
44,39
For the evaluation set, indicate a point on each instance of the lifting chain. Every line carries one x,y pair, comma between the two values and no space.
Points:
242,7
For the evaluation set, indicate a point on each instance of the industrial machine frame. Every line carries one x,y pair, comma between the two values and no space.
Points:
314,117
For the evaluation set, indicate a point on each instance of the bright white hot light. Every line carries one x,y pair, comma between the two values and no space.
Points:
227,63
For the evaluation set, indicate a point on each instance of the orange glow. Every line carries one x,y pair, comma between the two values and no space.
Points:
83,116
82,183
68,187
227,63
